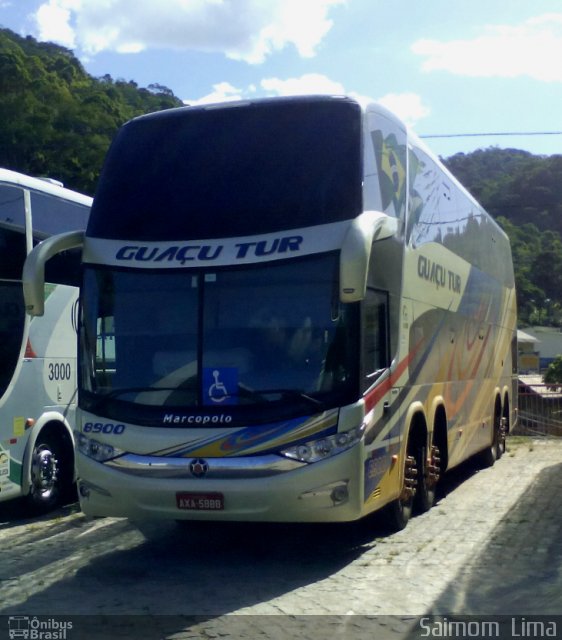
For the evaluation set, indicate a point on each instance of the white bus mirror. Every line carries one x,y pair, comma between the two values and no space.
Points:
356,251
34,268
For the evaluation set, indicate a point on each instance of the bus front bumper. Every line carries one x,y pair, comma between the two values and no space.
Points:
330,490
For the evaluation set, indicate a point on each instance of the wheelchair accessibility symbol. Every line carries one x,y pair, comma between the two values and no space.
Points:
220,385
217,391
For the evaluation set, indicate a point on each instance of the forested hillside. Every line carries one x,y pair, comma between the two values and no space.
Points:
524,193
58,121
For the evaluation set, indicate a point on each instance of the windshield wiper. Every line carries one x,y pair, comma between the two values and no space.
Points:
115,393
294,394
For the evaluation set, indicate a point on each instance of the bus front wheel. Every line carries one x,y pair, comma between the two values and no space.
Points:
51,473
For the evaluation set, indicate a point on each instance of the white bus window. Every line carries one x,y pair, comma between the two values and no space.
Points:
12,208
52,215
12,316
12,232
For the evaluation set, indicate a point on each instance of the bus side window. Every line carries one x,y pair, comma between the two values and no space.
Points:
374,343
51,215
12,257
12,322
55,215
12,232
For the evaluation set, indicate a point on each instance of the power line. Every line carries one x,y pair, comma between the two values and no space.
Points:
497,133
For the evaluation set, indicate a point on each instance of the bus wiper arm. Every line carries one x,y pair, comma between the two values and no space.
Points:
302,396
284,393
115,393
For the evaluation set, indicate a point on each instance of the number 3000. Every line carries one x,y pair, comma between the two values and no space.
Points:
59,371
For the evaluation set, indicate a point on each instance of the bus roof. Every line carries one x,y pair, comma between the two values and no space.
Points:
45,185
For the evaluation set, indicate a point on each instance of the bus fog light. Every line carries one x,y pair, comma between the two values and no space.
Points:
326,447
86,488
340,494
337,492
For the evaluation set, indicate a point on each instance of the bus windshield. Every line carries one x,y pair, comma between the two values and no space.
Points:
197,173
247,338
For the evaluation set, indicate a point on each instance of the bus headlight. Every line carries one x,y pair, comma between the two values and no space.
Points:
94,449
325,447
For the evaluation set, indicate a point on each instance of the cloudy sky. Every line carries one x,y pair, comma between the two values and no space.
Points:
446,67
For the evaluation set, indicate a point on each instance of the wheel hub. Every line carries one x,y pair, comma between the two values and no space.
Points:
44,471
433,467
410,479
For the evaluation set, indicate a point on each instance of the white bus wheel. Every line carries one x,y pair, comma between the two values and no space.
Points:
48,473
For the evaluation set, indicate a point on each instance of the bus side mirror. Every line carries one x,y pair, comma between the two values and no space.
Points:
34,268
356,251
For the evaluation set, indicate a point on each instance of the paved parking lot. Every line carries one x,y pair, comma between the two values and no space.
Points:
491,545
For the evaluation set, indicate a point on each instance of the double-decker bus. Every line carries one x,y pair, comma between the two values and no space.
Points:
37,356
290,311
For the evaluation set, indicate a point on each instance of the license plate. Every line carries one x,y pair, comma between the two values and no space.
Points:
200,501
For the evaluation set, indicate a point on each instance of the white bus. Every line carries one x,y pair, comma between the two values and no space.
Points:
290,311
38,356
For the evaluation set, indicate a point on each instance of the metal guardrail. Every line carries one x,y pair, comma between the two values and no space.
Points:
540,409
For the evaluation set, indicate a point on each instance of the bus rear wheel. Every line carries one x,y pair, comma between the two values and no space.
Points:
430,472
496,449
51,473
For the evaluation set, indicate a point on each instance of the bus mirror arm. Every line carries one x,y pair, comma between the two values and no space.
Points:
367,228
34,268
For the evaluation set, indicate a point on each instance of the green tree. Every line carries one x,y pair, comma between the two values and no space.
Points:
553,374
524,193
57,120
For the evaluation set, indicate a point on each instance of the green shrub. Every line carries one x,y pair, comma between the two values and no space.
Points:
553,375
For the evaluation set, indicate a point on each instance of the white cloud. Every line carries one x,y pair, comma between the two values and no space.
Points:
309,83
248,30
222,92
53,21
533,48
408,107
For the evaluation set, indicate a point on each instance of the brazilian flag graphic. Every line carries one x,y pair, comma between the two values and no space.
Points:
391,164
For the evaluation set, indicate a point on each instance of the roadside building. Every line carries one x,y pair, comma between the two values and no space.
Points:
528,359
548,345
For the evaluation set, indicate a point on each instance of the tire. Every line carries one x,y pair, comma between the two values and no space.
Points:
52,466
494,452
502,435
400,510
428,477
